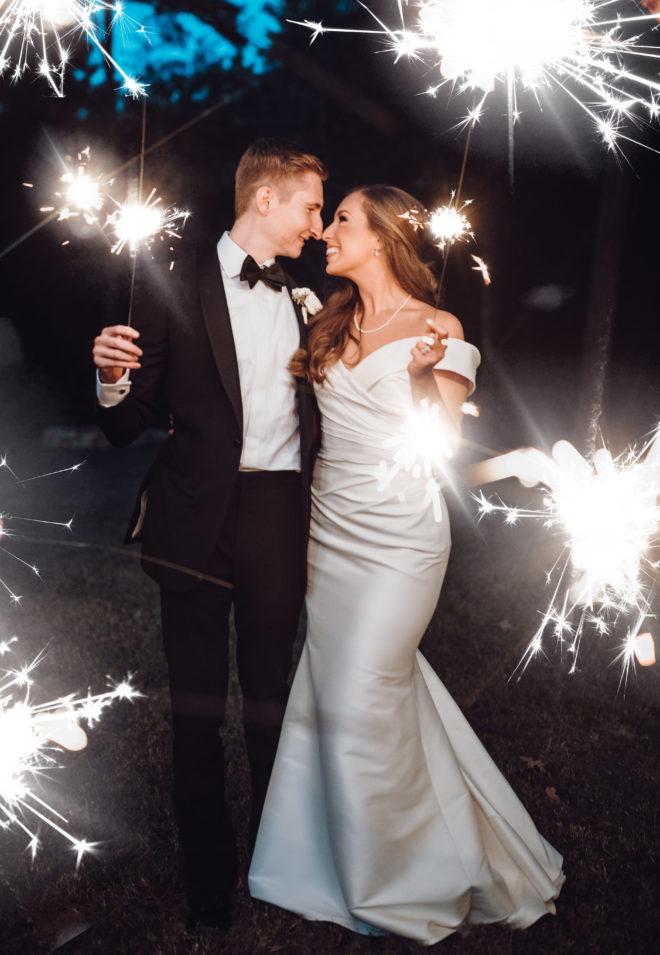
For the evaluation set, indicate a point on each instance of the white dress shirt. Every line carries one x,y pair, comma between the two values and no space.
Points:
266,335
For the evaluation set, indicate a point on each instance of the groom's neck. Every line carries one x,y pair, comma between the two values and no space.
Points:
248,233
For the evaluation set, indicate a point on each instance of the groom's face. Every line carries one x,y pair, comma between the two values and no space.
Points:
294,214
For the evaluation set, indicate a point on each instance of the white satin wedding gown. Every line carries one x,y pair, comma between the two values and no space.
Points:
384,812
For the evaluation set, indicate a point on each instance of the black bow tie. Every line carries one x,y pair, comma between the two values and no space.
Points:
272,275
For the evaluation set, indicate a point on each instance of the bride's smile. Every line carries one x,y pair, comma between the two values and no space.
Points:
351,246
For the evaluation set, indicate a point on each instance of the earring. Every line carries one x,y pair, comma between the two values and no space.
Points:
376,251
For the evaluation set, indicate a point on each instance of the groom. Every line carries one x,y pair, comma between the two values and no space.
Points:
223,513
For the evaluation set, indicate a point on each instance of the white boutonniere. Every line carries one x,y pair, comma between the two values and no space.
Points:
307,300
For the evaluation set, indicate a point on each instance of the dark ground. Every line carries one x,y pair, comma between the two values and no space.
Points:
593,793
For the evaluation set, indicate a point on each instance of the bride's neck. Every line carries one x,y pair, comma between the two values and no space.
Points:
379,293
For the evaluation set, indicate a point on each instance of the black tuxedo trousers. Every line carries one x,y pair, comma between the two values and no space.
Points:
259,553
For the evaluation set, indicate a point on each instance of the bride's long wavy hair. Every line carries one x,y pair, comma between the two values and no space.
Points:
397,219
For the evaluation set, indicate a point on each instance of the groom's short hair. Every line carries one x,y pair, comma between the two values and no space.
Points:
270,162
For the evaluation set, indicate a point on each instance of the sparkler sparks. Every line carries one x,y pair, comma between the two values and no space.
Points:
6,522
609,513
580,47
449,225
481,267
136,223
38,34
424,446
133,223
82,194
30,737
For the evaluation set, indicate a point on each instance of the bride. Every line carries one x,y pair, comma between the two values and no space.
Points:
384,812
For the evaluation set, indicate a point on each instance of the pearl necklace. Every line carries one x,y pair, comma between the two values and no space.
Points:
372,331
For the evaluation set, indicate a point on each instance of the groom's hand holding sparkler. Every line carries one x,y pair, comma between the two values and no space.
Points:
115,351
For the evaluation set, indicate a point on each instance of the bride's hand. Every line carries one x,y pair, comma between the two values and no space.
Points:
429,349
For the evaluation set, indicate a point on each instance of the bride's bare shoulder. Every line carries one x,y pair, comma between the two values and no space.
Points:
450,322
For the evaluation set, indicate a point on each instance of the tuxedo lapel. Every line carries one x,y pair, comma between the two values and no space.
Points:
218,326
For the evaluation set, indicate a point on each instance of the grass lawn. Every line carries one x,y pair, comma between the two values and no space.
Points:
581,753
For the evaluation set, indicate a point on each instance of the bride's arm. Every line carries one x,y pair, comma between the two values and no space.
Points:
448,386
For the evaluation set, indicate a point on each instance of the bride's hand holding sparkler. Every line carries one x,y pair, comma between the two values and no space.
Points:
115,351
433,384
429,349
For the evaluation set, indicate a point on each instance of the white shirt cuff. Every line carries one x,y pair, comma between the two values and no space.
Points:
110,395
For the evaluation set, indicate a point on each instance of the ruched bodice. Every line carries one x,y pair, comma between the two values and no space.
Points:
384,812
361,407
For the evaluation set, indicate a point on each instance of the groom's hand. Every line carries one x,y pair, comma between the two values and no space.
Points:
114,351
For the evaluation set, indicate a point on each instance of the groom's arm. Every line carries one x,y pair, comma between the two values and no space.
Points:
126,408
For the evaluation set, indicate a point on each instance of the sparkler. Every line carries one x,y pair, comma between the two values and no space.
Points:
609,514
82,193
31,735
448,224
424,447
36,34
580,47
133,223
136,223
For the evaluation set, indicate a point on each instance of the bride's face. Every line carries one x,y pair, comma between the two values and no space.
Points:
350,243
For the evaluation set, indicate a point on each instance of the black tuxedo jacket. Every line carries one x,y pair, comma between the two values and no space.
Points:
189,369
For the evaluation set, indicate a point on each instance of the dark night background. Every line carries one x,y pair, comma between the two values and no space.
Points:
572,249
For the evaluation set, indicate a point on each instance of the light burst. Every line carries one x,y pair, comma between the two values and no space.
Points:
424,447
31,737
135,223
37,35
80,192
448,224
608,513
587,49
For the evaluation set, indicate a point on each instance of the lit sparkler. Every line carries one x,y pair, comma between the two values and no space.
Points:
448,224
137,224
81,193
37,35
30,737
424,447
609,513
581,47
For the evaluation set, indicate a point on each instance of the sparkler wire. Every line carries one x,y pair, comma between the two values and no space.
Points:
140,183
458,198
